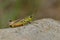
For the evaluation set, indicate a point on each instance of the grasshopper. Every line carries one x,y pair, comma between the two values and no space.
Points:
18,22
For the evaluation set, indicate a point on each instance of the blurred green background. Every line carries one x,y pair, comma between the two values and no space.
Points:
15,9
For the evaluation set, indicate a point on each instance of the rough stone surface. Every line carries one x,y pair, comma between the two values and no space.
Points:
44,29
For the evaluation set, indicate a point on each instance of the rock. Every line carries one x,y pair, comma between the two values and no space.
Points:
43,29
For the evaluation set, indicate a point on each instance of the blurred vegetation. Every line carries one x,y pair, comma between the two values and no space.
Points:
14,9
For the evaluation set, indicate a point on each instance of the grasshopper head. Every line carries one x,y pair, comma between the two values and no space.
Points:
30,16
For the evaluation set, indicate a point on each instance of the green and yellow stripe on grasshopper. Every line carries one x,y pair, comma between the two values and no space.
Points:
18,23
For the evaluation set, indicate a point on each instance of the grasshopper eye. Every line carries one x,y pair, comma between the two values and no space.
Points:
30,16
